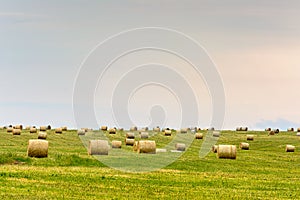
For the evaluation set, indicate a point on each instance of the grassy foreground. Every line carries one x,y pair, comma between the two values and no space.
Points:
265,171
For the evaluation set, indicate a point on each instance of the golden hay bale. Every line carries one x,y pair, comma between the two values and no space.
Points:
290,130
227,151
168,132
276,130
37,148
290,148
268,129
146,146
16,132
32,130
156,129
18,126
103,128
216,133
298,129
116,144
244,128
42,135
298,134
58,130
43,128
9,129
250,137
199,136
238,128
183,130
271,133
144,135
130,135
81,132
129,142
180,146
98,147
112,131
244,146
64,128
214,148
135,145
133,128
49,127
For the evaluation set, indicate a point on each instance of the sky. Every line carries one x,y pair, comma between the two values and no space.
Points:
255,46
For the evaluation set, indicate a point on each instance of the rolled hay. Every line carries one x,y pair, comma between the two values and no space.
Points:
156,129
290,148
133,128
168,132
18,126
64,128
268,129
98,147
244,146
199,136
33,130
146,146
9,129
276,130
115,144
130,135
37,148
211,129
214,148
27,127
121,129
244,128
298,129
58,130
298,134
81,132
112,131
16,131
135,146
183,130
43,128
271,133
1,127
180,146
161,150
144,135
103,128
238,128
216,133
49,127
250,137
42,135
290,130
129,142
226,151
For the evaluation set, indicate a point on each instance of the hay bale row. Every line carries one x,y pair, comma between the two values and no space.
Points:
64,128
226,151
43,128
37,148
18,127
298,129
98,147
146,146
276,130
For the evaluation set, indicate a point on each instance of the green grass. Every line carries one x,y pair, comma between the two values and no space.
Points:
265,171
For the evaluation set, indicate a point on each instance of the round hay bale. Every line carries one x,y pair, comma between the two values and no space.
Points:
298,129
27,127
298,134
103,128
33,130
216,134
9,130
168,132
81,132
226,151
135,146
58,130
244,146
42,135
18,126
130,135
271,133
43,128
290,130
115,144
37,148
214,148
112,131
16,132
276,130
183,130
238,128
199,136
250,137
129,142
211,129
268,129
180,146
144,135
146,146
49,127
121,129
64,128
290,148
133,128
244,128
98,147
156,129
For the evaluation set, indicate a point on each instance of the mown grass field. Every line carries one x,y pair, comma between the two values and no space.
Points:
265,171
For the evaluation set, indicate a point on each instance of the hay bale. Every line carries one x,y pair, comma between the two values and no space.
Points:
183,130
121,129
199,136
43,128
58,130
103,128
1,127
81,132
211,129
216,133
271,133
298,134
244,128
226,151
161,150
290,148
115,144
98,147
42,135
276,130
133,128
135,146
37,148
129,142
156,129
214,148
244,146
27,128
180,146
18,127
146,146
298,129
290,130
32,130
168,132
112,131
238,128
16,131
49,127
9,130
64,128
268,129
144,135
130,135
250,137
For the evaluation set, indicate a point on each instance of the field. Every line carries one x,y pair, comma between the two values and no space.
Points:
265,171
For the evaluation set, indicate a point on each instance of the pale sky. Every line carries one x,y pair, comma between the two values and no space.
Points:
254,44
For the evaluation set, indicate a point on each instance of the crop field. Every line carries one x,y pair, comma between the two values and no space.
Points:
265,171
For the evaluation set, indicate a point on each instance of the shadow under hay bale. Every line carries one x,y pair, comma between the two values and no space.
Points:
37,148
